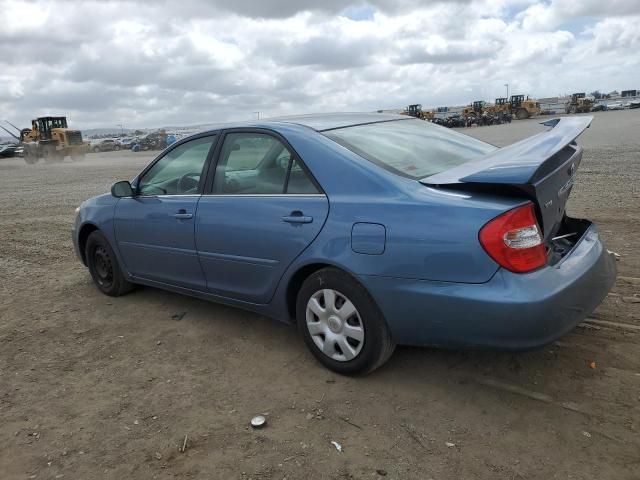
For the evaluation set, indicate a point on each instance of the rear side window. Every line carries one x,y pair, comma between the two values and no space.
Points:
258,164
411,148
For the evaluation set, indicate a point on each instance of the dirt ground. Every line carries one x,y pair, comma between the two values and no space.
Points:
93,387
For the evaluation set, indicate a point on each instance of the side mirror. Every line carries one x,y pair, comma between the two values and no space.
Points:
122,189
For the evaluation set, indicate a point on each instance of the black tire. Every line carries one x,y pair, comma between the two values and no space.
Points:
104,268
377,344
51,155
29,157
116,148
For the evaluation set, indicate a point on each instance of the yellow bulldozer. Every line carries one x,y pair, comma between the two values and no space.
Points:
523,108
476,109
501,105
50,138
578,104
416,111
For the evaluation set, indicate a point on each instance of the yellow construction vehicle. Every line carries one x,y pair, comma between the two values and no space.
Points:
523,108
416,111
578,104
476,109
51,139
501,105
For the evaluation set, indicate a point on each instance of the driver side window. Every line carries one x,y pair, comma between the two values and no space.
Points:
179,171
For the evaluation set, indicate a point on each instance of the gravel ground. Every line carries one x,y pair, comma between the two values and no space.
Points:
93,387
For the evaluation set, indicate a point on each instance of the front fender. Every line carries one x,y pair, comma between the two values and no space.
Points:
97,212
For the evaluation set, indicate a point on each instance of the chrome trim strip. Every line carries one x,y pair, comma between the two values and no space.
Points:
161,248
237,258
284,195
169,196
319,195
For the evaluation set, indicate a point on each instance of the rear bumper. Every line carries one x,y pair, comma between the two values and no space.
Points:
511,311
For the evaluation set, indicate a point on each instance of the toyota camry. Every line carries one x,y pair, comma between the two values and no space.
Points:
365,230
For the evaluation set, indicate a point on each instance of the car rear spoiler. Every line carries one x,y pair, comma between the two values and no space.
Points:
520,164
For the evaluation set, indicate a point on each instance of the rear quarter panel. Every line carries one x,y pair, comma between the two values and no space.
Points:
425,239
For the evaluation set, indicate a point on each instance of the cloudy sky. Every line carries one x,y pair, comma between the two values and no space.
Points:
185,62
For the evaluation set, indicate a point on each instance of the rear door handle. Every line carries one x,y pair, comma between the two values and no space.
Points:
297,217
182,214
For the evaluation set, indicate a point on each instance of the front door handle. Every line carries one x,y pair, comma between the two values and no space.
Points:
297,217
182,214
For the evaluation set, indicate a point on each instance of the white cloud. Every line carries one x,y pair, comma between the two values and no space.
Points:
199,61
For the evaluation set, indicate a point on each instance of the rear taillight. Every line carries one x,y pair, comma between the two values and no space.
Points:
514,240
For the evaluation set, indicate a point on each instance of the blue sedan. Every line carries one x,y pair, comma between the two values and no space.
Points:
365,230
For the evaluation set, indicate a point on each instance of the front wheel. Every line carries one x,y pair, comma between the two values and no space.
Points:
341,323
29,156
103,266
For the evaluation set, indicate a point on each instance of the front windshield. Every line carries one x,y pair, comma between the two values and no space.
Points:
411,148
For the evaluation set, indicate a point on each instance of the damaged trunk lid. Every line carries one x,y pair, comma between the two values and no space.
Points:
540,168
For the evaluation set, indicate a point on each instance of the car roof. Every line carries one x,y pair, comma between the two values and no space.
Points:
330,121
320,122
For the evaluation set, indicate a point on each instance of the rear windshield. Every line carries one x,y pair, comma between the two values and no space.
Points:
411,148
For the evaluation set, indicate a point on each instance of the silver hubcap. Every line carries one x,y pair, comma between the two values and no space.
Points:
335,325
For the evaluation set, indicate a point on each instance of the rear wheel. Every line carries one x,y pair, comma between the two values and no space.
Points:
104,268
341,324
521,114
116,148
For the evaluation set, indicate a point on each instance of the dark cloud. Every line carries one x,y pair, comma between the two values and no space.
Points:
287,8
326,52
452,54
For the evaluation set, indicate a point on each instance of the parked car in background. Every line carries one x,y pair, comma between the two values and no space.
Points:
615,106
151,141
8,150
126,143
367,230
599,107
634,104
104,145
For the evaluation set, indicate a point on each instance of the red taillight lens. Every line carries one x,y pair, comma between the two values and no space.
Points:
514,240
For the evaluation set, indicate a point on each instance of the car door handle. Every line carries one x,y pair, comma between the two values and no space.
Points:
297,217
182,214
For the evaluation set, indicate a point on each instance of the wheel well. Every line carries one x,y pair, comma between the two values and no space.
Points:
85,231
295,283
